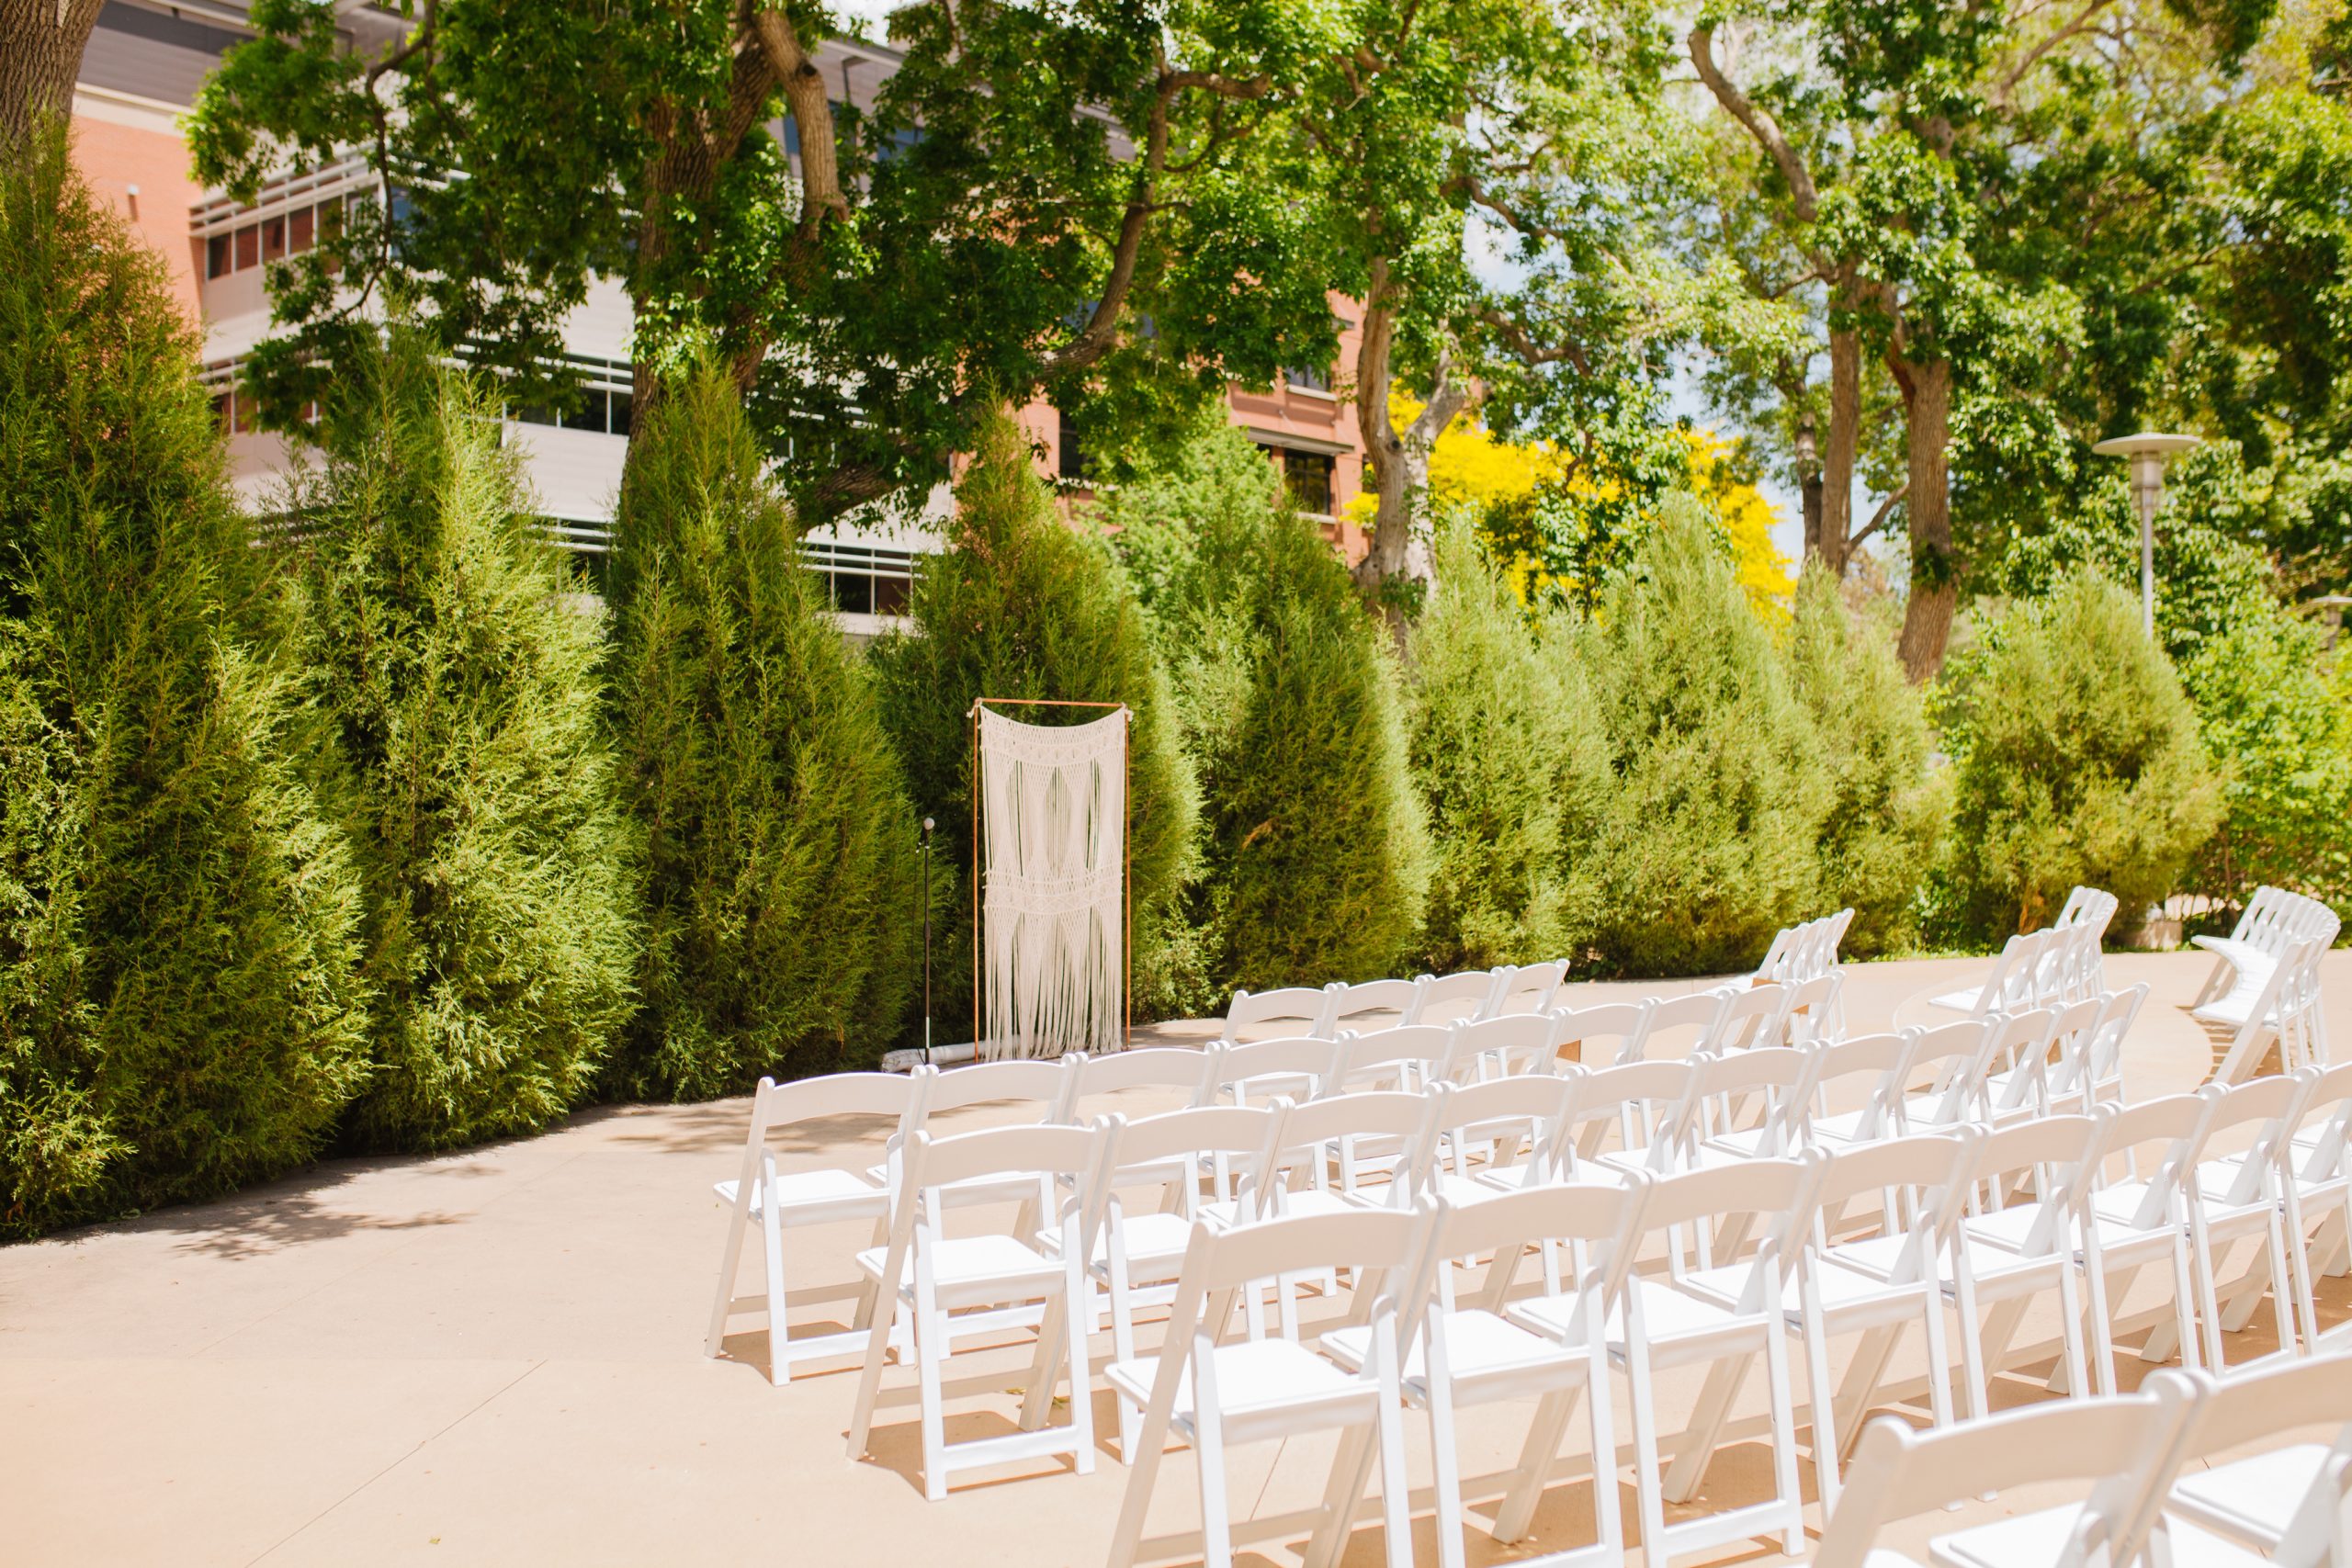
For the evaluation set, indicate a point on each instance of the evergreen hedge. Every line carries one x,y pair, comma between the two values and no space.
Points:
2076,759
458,674
179,1010
780,889
1502,757
1888,803
1021,605
1701,842
1315,847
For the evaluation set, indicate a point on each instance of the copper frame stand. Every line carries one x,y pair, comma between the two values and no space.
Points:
1126,853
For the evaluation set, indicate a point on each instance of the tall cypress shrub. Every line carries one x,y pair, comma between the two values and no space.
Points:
1315,847
1703,843
179,1010
1024,605
2075,759
1888,805
1503,759
778,881
458,675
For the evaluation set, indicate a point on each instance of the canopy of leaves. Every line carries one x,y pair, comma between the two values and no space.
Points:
781,911
179,1011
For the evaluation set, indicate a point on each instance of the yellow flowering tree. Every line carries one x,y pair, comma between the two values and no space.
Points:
1559,524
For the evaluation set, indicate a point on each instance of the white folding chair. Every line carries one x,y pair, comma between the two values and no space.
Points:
2121,1452
1459,1356
1041,1089
2284,1010
2002,1256
1215,1392
2014,1079
1293,1010
2087,1070
1857,1092
1750,1104
1141,1248
1370,1004
932,1276
2286,1501
1720,1316
2130,1220
1457,998
827,1195
1091,1077
1645,1104
1944,1076
1501,1047
2014,983
2315,1182
1604,1036
2236,1196
1884,1214
1531,988
1494,1136
1294,1067
1679,1026
1751,1016
1816,1012
1409,1056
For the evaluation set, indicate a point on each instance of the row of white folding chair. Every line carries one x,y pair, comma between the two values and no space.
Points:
2274,919
2285,1009
1805,952
1469,996
2144,1464
2049,967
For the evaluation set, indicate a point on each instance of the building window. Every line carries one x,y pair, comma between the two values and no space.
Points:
1307,477
248,247
862,580
1071,445
1302,379
217,255
272,239
299,228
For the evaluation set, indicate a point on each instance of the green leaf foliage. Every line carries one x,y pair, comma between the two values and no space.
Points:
179,1011
459,677
2268,709
780,888
2076,759
1702,842
1314,851
1502,761
1022,605
1888,802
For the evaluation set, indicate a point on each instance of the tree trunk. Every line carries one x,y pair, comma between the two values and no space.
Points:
1808,458
41,53
1845,441
1926,620
1400,572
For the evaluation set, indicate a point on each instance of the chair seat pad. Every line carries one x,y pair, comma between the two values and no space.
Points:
1251,1375
962,1260
2259,1495
2027,1540
1477,1342
809,1188
1958,1002
1150,1238
2005,1229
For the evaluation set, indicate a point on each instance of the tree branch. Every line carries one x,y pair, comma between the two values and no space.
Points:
812,115
1758,122
1878,517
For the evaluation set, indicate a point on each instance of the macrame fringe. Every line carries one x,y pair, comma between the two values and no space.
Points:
1053,905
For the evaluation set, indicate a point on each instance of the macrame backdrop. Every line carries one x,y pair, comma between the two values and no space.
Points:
1054,833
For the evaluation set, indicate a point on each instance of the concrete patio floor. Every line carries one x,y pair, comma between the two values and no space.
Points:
495,1358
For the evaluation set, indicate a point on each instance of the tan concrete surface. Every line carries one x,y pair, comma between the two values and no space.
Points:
495,1358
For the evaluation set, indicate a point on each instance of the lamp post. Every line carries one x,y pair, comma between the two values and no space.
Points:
2149,452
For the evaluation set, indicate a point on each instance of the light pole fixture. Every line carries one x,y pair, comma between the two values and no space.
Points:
2149,452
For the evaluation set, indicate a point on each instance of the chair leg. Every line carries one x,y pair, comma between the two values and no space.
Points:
1648,1498
1971,1344
1821,1406
1697,1444
779,1327
1537,1457
1351,1472
2299,1255
1216,1522
1784,1440
1446,1465
1126,1536
2102,1330
730,1256
1395,1486
2070,1333
2184,1307
1601,1420
931,1335
2282,1289
2209,1308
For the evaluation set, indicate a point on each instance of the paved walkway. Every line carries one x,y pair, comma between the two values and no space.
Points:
495,1358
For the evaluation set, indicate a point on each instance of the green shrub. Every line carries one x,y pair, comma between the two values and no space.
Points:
179,1010
2076,759
781,918
1315,852
1887,803
2269,711
1023,606
1502,761
460,679
1700,845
